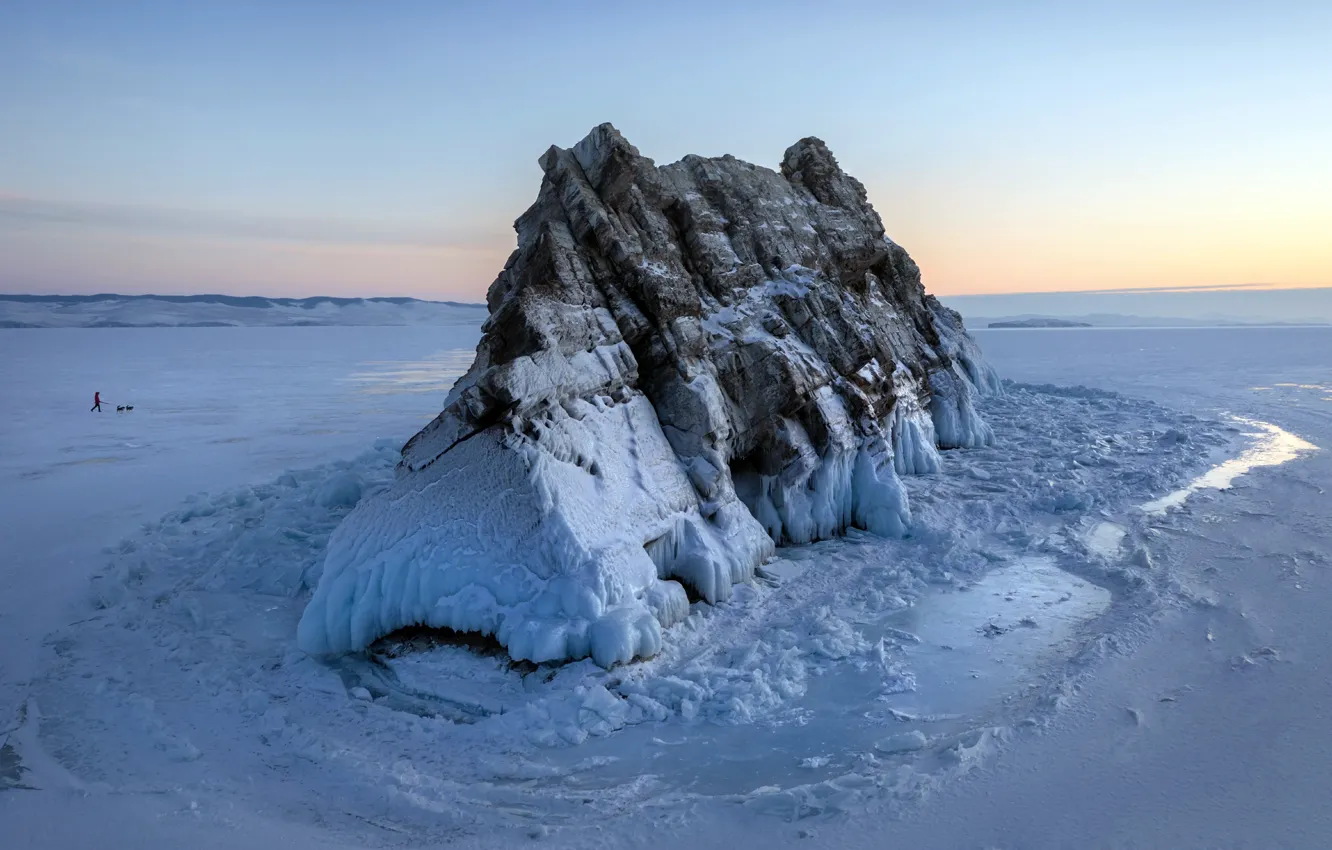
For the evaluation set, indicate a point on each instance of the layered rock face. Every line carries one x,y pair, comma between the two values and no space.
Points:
683,366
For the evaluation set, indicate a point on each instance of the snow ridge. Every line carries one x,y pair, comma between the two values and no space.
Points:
683,367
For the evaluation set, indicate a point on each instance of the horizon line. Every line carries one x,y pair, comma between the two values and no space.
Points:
480,299
4,295
1204,287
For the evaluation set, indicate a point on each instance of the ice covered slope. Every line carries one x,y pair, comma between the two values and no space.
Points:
138,311
682,367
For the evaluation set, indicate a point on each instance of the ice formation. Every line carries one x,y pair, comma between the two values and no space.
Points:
683,367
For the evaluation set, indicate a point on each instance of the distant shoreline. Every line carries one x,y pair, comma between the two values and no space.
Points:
1228,327
1043,322
251,301
20,326
31,312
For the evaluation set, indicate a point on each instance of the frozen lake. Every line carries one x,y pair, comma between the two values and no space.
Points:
213,408
218,409
1230,368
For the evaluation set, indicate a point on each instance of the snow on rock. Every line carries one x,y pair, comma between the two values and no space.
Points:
682,367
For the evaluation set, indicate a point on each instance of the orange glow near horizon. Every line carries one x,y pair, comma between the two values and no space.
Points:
969,238
1198,233
1000,263
149,263
958,262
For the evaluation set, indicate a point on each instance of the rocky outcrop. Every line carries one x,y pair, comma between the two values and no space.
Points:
683,366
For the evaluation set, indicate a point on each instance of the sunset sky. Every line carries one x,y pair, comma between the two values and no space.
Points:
302,147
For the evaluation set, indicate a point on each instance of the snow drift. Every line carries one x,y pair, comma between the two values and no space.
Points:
683,367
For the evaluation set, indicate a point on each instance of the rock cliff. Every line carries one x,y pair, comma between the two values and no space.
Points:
682,367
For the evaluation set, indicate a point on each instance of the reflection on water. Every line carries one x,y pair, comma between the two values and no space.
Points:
434,374
1274,447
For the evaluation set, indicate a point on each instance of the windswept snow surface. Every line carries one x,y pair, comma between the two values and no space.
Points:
214,409
1206,727
852,680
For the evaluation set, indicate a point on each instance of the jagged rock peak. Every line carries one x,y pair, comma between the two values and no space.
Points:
810,163
683,366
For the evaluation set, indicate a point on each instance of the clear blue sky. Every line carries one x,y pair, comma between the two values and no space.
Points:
302,147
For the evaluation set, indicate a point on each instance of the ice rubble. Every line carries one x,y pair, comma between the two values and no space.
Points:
683,366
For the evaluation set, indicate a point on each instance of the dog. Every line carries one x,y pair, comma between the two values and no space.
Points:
120,408
128,408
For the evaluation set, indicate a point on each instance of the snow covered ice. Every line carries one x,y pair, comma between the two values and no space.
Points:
171,706
751,659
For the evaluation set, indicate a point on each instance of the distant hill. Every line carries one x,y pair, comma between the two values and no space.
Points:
1118,320
1039,322
155,311
1165,307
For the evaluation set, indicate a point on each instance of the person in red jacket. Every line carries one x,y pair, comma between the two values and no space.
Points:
97,403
